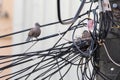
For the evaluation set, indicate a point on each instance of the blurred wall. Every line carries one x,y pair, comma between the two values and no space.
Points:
6,26
6,23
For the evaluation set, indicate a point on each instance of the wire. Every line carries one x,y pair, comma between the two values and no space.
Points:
66,72
110,56
55,70
106,20
45,25
37,53
75,17
38,69
56,43
39,39
26,67
98,72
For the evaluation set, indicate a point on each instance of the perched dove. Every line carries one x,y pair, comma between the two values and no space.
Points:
86,34
34,32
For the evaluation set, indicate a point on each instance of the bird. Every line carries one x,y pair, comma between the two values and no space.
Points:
34,32
86,34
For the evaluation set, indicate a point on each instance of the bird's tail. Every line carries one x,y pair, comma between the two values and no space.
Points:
28,38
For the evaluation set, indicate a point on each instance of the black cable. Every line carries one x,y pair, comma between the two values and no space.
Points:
83,68
36,65
23,58
78,70
92,48
33,72
61,77
76,15
17,72
58,68
106,22
51,68
14,33
15,64
83,54
39,39
20,59
35,68
87,67
66,72
102,75
59,40
93,71
55,70
26,67
45,25
90,9
36,53
58,64
94,34
24,53
74,63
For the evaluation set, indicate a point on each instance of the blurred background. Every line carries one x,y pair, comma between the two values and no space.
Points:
6,26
